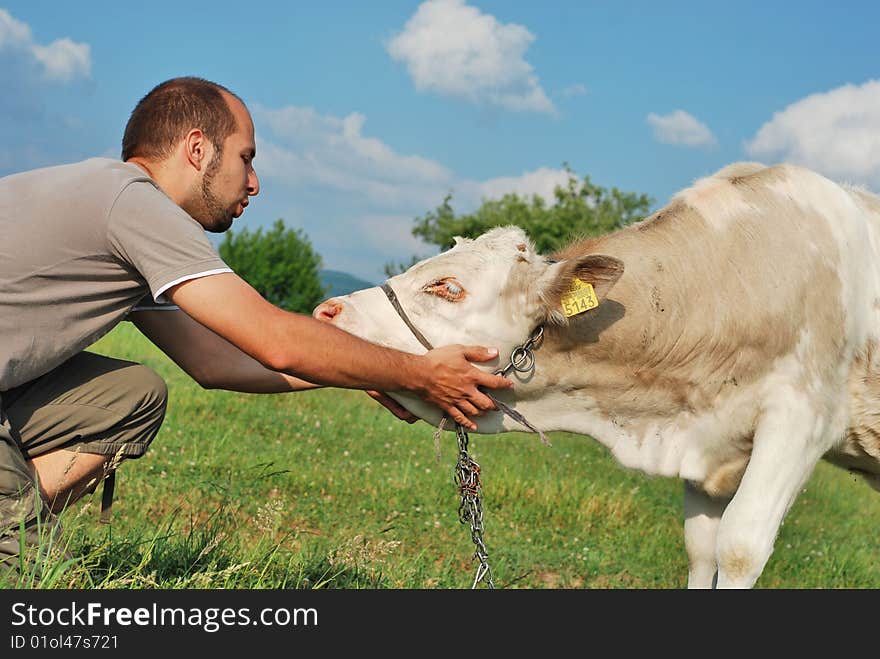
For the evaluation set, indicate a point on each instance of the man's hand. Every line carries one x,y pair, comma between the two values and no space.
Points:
452,382
393,406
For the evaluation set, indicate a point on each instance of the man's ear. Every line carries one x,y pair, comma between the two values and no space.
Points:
599,270
196,148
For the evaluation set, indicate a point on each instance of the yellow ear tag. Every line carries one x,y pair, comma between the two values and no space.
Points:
579,298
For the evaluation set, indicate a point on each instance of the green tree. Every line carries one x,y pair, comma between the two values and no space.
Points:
280,264
580,209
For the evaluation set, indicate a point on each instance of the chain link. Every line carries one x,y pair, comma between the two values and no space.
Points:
470,509
522,359
467,471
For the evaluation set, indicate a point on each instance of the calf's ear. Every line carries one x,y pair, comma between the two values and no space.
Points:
599,270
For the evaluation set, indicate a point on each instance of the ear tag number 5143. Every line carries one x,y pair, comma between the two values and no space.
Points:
579,298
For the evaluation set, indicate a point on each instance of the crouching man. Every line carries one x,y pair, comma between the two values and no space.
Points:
87,245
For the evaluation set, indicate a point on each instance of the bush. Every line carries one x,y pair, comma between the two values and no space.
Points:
280,264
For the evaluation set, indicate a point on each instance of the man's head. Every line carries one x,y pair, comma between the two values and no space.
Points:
196,138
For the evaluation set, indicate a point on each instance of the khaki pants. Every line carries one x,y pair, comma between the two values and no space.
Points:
92,404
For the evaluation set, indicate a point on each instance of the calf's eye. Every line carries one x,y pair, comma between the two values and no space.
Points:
448,289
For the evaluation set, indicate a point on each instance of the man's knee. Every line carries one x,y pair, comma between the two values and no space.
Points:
147,401
153,392
140,400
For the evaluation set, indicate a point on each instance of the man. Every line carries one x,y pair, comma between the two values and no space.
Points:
87,245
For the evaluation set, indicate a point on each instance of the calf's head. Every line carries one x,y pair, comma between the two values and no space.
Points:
492,291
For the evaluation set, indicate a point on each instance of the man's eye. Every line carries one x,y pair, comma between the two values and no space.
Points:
448,288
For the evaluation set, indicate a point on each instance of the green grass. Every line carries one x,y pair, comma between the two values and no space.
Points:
326,489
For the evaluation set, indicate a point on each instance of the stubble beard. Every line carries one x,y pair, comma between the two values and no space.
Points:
215,217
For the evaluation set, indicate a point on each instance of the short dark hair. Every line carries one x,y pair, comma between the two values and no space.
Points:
170,110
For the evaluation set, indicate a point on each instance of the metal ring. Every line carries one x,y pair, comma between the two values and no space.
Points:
522,359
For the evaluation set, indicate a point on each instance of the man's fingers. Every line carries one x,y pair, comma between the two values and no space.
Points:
479,353
469,408
393,406
483,354
458,417
464,399
483,402
493,381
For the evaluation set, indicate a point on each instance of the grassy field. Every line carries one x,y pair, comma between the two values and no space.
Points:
326,489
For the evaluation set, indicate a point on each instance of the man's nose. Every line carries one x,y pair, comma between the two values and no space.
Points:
327,311
253,184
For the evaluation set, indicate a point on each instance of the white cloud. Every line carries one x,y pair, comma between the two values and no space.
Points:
301,148
355,196
340,144
541,182
681,128
836,133
455,50
305,148
13,33
63,60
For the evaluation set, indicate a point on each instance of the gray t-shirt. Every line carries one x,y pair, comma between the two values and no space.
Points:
80,245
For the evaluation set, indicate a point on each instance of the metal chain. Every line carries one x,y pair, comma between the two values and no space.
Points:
470,509
467,471
522,359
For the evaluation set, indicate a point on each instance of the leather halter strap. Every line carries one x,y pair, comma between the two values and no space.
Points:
392,298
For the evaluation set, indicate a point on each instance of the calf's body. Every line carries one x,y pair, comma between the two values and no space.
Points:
734,346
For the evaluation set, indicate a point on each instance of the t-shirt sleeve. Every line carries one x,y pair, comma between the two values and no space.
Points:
159,239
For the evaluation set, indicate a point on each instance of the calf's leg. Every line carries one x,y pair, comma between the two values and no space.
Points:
702,514
788,442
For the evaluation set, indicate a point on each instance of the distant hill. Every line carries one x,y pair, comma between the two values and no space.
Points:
342,283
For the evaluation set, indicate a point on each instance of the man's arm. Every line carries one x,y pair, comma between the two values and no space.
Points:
215,363
209,359
300,346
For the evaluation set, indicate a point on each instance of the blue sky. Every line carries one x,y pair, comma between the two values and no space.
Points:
368,113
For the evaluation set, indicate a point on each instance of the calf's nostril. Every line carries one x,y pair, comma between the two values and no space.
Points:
327,311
